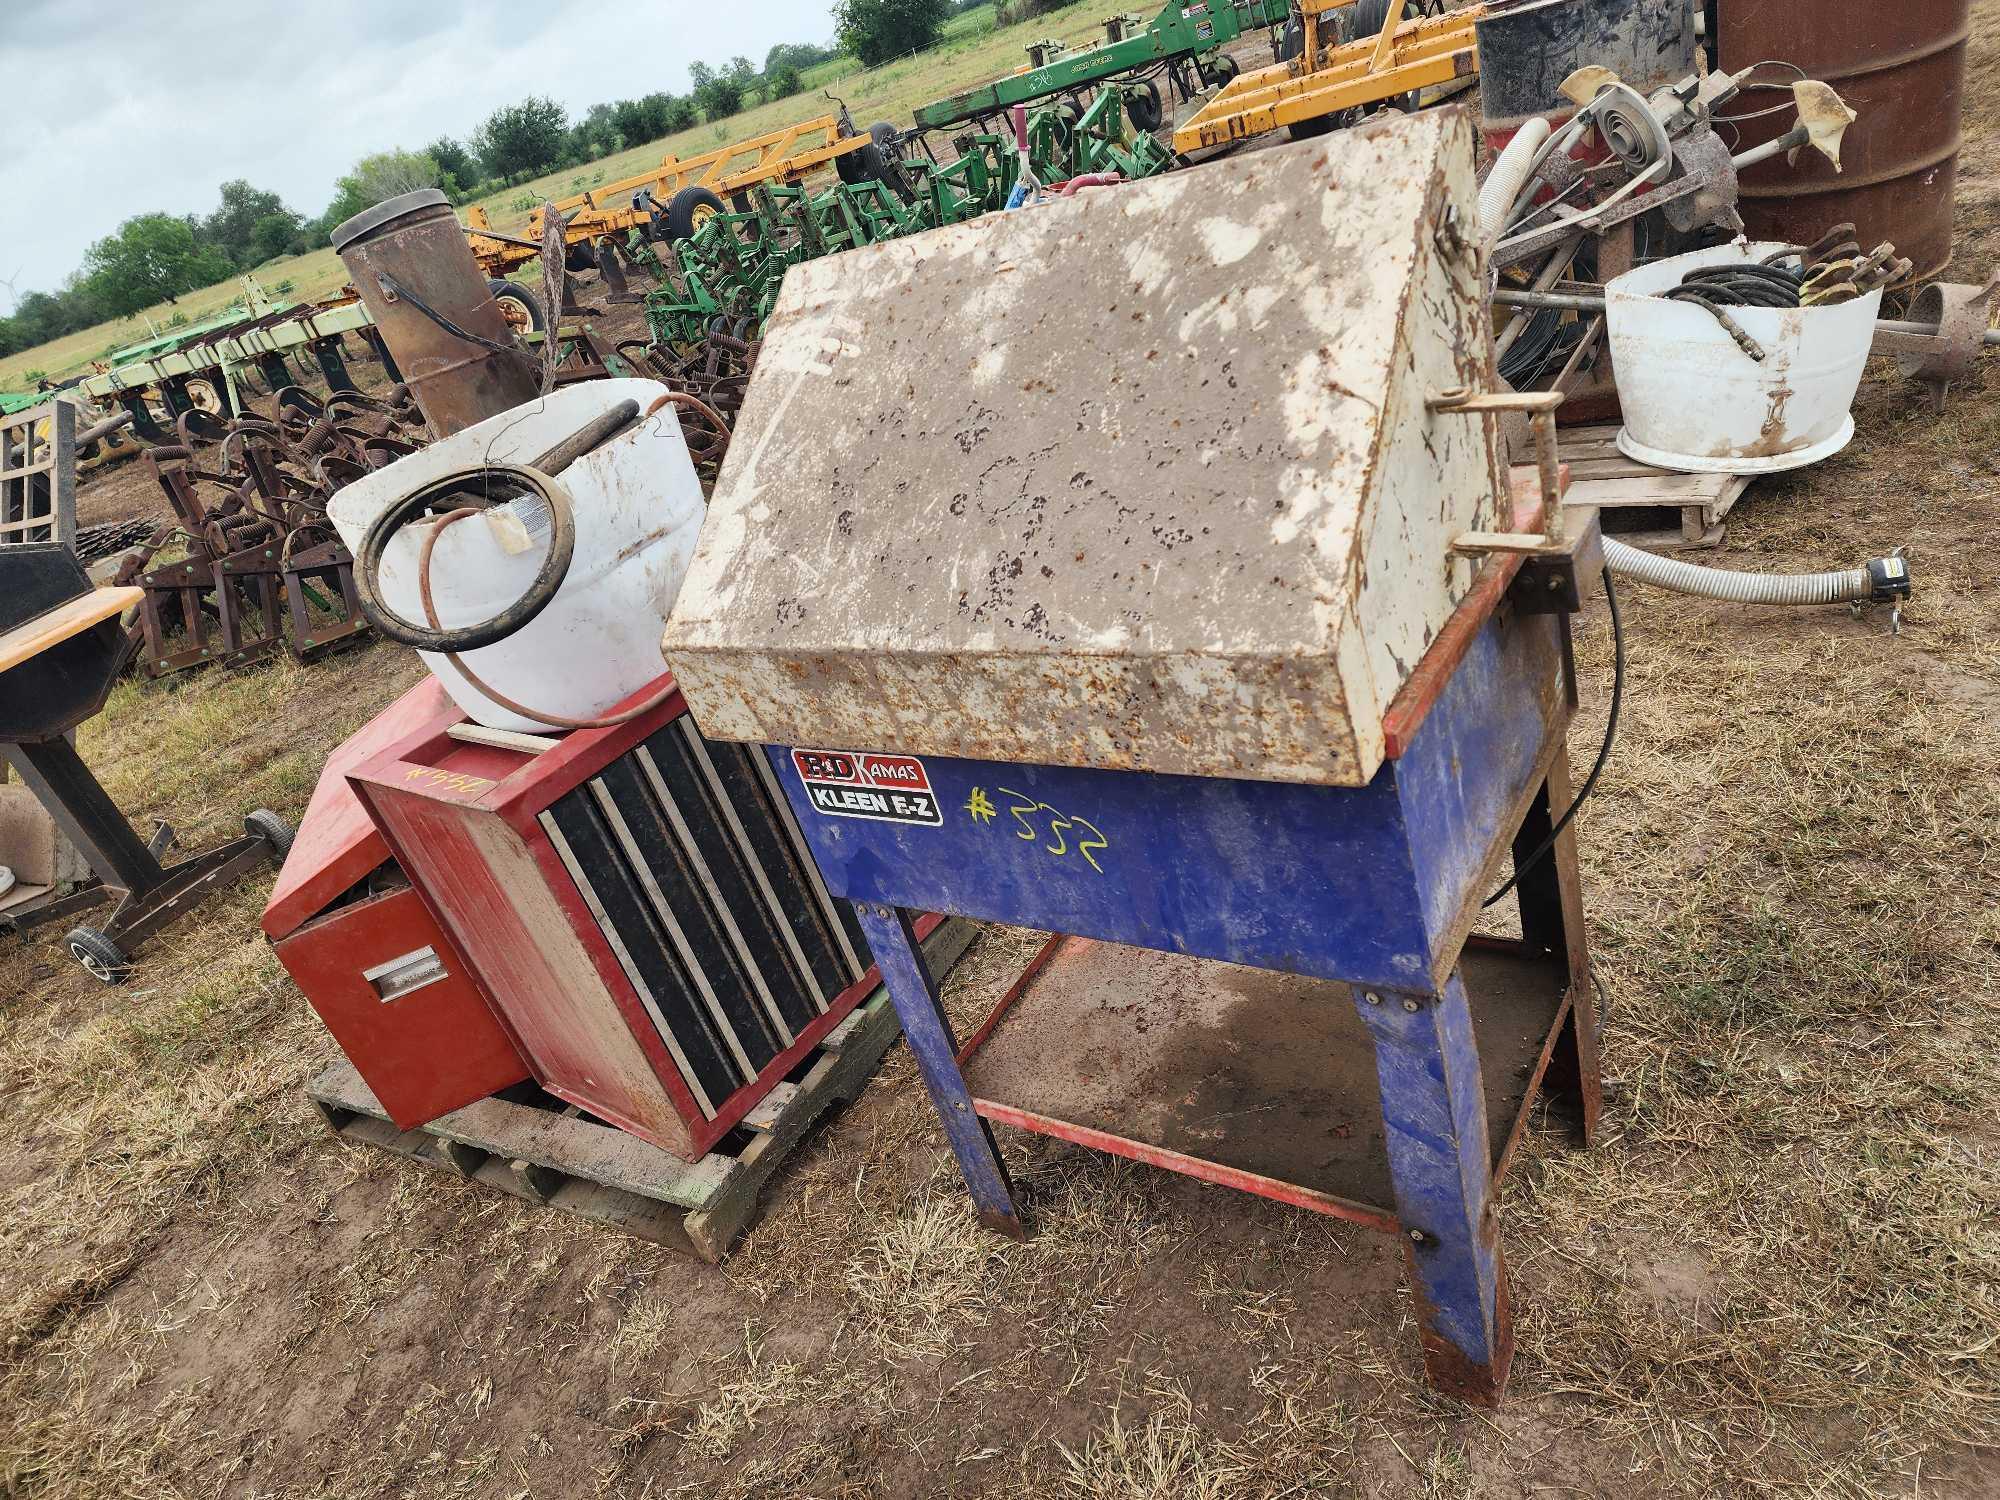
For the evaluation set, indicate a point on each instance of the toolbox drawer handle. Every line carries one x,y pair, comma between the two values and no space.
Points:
399,976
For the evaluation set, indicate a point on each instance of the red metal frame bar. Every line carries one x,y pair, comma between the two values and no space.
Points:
1014,992
1202,1169
1189,1166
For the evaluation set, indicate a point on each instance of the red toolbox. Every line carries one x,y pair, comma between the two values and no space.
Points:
372,961
638,906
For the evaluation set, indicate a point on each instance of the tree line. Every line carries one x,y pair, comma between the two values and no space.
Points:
159,257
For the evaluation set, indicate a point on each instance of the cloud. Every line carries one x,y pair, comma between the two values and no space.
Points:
120,109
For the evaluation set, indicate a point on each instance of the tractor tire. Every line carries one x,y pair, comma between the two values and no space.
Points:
1142,106
521,307
876,161
689,209
1222,72
106,962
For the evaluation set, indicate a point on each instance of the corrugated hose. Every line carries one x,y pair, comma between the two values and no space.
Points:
1848,586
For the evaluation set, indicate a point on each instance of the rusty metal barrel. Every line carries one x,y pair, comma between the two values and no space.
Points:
1528,47
415,272
1901,68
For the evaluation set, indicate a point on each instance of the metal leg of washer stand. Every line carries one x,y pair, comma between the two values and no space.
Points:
899,958
1551,897
1434,1120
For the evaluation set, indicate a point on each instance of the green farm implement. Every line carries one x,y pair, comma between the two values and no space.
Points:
1182,44
724,278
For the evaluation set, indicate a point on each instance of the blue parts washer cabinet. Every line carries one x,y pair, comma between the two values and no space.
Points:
1145,568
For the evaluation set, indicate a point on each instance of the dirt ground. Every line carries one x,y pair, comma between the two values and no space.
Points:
1775,1276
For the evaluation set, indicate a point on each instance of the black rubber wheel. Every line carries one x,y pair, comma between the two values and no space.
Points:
888,140
1142,106
851,166
1305,130
689,209
876,161
1292,40
521,307
1222,72
272,829
104,959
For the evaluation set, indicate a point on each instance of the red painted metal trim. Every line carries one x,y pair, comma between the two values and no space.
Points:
631,1009
1014,992
1410,707
516,777
730,1112
519,798
1190,1166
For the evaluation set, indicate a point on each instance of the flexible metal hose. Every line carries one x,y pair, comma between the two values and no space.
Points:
1509,175
1738,588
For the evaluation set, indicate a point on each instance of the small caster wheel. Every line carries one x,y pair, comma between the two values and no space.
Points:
272,829
105,960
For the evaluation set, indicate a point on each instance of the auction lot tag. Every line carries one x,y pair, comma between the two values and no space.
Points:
863,784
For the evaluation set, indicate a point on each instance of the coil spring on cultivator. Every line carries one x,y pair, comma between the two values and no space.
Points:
214,577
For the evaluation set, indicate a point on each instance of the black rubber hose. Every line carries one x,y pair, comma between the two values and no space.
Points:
536,477
1523,866
479,481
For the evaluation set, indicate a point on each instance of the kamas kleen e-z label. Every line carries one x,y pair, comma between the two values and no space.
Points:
864,784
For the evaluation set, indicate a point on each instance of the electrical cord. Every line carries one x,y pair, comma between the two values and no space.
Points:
391,284
1522,867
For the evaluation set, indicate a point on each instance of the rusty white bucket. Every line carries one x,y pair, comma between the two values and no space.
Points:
1696,402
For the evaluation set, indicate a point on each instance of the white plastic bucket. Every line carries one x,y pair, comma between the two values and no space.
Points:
638,509
1694,401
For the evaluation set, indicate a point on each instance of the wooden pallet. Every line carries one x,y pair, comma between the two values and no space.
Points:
534,1146
1642,504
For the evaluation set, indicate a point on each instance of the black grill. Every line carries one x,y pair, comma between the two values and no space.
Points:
686,854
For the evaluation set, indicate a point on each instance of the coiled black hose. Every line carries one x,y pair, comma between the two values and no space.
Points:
1745,285
1716,289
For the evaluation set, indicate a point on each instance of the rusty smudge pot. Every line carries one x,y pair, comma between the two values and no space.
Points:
414,270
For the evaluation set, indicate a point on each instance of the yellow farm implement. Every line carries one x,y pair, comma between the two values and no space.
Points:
682,193
1329,77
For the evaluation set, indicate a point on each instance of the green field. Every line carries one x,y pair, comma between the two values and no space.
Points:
971,51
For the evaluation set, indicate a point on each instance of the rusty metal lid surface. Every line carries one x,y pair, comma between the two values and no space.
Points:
1142,478
370,219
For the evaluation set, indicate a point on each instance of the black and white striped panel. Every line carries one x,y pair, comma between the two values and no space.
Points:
686,854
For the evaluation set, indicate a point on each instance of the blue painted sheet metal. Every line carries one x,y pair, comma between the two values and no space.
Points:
1434,1114
1482,750
1308,880
1353,883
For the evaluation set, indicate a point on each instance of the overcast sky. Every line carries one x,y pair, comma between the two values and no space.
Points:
115,109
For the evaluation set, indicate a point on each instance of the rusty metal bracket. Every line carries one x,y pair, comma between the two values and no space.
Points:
1945,332
1541,409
